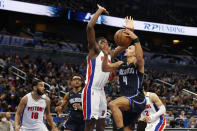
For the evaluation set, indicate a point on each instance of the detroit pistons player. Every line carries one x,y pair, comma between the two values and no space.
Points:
154,112
32,108
93,96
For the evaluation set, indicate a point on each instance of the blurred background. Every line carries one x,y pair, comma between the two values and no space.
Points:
47,39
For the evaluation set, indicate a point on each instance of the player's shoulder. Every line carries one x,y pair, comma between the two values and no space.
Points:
24,99
152,95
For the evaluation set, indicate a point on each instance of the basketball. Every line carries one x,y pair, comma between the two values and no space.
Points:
120,39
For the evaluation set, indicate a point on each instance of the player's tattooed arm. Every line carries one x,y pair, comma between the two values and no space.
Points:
49,116
64,104
19,111
92,46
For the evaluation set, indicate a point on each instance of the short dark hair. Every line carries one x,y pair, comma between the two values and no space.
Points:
100,38
35,82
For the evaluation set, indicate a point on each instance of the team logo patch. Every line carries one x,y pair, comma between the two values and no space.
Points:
103,112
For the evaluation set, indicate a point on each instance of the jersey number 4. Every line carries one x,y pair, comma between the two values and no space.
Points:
34,115
125,80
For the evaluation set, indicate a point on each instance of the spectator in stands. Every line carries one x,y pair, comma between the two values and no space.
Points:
192,110
191,123
4,124
8,117
20,93
181,124
38,46
182,115
12,99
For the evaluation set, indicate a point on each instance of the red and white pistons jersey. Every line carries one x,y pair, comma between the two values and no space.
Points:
33,114
159,123
95,77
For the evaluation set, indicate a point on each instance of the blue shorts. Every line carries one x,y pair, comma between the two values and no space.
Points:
138,104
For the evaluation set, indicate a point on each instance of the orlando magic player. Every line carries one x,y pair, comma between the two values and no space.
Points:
72,100
132,100
93,95
32,108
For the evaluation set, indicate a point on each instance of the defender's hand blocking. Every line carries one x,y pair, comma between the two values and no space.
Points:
129,23
102,8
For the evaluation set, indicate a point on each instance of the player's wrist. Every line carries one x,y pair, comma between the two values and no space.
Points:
136,40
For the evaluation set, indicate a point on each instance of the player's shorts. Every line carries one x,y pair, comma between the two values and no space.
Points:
158,125
94,104
73,125
41,128
138,104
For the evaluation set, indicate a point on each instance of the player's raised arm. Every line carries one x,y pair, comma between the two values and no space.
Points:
128,25
19,112
90,28
109,67
138,50
48,115
64,103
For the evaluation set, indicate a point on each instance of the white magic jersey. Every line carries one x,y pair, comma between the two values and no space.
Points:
33,114
95,77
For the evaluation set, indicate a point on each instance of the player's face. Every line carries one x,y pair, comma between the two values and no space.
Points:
76,81
130,51
103,43
40,88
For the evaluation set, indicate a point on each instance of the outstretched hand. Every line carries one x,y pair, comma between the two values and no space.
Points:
102,8
129,23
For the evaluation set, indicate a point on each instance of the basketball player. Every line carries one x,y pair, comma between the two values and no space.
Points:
154,113
94,101
32,108
132,101
72,99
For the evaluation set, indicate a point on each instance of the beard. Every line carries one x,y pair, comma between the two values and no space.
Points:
39,92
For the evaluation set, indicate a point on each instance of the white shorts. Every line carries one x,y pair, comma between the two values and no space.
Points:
94,104
158,125
41,128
